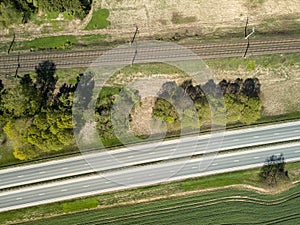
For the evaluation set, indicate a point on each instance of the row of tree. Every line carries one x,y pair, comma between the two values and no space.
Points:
36,114
37,117
179,105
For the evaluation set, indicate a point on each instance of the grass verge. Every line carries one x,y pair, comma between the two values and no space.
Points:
65,42
232,206
162,193
250,63
99,20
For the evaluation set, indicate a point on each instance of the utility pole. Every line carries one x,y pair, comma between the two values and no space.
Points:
247,37
133,38
134,41
11,44
246,26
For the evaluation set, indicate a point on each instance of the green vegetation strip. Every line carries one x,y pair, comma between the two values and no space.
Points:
99,20
250,63
161,208
64,42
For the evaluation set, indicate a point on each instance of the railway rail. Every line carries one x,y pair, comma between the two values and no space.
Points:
208,50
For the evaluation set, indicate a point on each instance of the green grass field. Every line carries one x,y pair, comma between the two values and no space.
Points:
99,20
232,206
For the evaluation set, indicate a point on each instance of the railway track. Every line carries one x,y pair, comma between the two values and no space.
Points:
211,50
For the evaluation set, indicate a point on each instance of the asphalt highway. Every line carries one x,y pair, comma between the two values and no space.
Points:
135,155
143,175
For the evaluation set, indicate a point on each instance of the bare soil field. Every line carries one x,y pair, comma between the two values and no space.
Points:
279,86
173,18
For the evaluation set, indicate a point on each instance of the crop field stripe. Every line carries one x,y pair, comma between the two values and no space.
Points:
189,206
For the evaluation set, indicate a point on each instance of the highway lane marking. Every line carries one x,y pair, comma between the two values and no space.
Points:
107,182
40,194
19,198
296,131
195,167
256,157
85,186
297,151
20,176
42,172
255,136
237,139
214,164
236,160
65,168
129,157
63,190
151,153
276,134
150,175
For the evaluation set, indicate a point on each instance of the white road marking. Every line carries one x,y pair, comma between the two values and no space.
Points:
236,139
63,190
214,164
255,136
129,157
276,134
297,151
256,157
151,153
65,168
19,198
236,160
85,186
194,167
150,175
42,172
40,194
107,182
20,176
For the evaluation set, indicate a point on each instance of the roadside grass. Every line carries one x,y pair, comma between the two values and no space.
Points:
80,204
99,20
48,43
279,25
284,117
68,76
67,42
92,39
250,63
6,155
128,73
159,203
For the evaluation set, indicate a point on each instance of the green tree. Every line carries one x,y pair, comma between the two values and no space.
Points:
21,101
273,170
